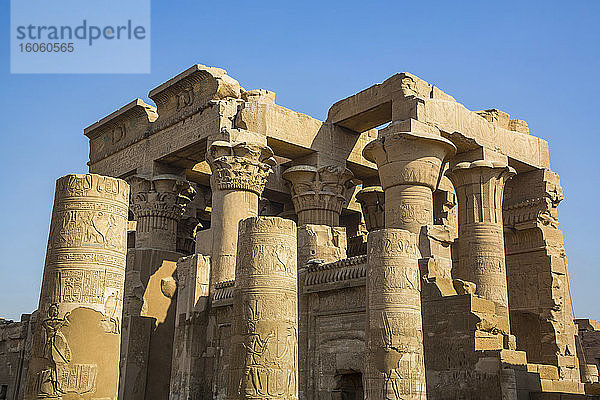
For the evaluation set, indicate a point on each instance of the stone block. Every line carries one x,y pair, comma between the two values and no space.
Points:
587,324
321,242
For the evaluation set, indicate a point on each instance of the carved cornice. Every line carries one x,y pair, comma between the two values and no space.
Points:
530,212
240,166
346,270
533,200
325,188
217,85
134,110
224,293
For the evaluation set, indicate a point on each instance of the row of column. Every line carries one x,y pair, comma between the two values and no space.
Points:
409,163
410,166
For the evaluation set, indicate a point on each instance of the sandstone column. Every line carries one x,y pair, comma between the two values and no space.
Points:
319,194
372,203
479,187
76,341
264,347
409,164
394,366
239,174
157,202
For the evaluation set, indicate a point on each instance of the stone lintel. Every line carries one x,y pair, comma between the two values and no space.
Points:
503,120
259,96
405,96
372,107
480,153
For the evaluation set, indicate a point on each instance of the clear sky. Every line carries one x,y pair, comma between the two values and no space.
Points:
537,60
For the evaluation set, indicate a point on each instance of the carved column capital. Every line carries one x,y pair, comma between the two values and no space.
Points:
239,166
163,195
479,186
157,203
319,194
409,165
372,203
408,158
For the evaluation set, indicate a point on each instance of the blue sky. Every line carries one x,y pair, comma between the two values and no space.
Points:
536,60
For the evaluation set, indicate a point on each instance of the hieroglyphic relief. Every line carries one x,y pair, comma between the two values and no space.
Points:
264,356
61,376
270,363
56,351
394,354
84,275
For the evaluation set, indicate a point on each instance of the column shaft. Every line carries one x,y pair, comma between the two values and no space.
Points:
394,350
239,174
408,207
264,347
229,208
76,341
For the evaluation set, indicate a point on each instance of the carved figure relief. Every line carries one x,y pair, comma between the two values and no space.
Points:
56,351
112,312
265,336
269,367
185,97
118,133
394,353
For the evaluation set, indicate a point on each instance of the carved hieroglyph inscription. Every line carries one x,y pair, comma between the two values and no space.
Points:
76,346
264,349
394,362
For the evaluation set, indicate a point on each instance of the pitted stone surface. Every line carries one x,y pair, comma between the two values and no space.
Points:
76,341
395,367
264,348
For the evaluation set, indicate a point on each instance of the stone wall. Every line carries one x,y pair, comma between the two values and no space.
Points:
15,351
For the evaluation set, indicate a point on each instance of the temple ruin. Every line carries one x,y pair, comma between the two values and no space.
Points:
225,247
